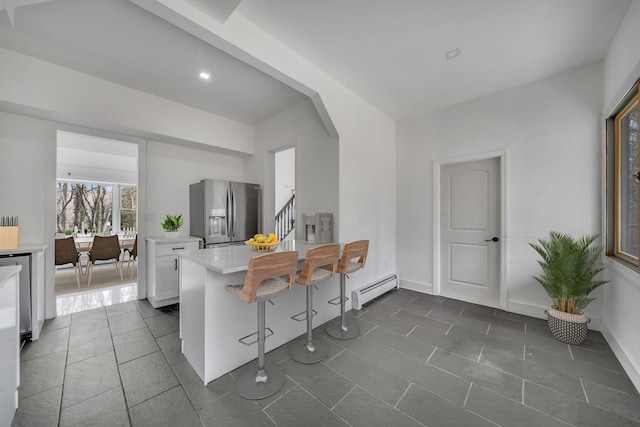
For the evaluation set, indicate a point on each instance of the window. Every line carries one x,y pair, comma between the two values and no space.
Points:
95,208
87,206
626,177
128,206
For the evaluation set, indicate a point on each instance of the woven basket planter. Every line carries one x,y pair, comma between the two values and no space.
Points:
566,327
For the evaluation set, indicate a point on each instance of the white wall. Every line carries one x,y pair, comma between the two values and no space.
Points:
621,316
170,171
550,131
316,154
623,57
25,187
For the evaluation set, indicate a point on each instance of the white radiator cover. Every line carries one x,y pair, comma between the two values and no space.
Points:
361,296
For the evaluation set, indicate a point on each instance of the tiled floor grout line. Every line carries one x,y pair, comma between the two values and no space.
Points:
404,393
115,356
318,400
464,404
344,397
431,355
64,370
584,391
412,329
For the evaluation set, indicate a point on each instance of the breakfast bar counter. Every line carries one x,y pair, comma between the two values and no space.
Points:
212,320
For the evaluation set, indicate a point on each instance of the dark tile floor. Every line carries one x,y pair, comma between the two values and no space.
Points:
420,361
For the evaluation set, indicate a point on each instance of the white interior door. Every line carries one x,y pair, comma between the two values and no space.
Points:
469,231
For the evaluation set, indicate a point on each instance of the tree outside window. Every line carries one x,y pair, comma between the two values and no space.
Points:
128,207
85,205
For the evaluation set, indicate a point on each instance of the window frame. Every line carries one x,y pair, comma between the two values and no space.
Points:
613,177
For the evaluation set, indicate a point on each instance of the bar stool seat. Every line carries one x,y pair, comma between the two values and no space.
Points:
345,330
268,276
319,266
267,290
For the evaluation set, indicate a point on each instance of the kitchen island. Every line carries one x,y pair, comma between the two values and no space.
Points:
212,320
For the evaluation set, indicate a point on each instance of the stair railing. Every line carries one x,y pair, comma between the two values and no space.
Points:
286,218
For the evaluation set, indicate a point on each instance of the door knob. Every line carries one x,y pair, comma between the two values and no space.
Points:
493,239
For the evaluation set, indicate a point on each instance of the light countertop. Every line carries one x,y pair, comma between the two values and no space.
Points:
234,258
24,249
168,241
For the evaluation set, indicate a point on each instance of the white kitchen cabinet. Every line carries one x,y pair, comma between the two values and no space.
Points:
163,268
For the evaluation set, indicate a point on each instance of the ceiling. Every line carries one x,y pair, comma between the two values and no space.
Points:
122,43
391,53
82,157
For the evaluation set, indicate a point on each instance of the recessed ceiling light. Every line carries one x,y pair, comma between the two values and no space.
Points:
204,75
450,54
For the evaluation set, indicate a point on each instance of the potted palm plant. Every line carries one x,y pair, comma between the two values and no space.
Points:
171,225
569,269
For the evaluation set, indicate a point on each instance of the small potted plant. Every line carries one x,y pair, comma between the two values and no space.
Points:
171,225
569,274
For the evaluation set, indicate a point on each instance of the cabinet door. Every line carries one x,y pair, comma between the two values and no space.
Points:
166,277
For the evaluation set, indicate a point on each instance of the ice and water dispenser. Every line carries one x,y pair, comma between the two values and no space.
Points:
217,221
318,227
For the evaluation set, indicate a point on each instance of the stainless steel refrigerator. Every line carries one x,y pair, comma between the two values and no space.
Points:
224,211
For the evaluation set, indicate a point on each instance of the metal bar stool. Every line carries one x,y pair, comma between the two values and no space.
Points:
347,330
311,275
263,282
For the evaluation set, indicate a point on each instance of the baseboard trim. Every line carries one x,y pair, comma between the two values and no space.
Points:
632,370
425,288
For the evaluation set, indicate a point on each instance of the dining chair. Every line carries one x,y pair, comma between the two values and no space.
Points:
133,255
66,253
104,249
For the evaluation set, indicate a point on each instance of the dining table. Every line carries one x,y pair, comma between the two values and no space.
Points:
84,243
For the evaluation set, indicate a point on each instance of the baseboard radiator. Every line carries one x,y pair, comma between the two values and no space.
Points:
367,293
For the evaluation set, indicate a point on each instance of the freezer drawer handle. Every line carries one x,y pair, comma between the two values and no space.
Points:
177,249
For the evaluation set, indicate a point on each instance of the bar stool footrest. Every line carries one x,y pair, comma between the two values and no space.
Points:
336,300
297,317
267,333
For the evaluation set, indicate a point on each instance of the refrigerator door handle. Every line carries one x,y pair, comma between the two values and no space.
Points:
233,199
228,216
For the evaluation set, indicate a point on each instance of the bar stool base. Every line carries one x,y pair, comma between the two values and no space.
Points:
336,331
300,353
248,388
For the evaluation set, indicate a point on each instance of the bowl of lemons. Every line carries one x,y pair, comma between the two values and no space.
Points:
263,243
